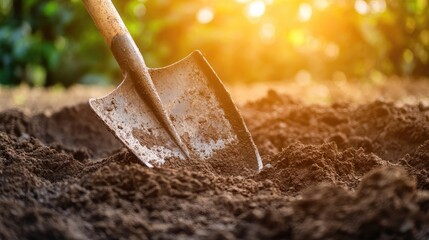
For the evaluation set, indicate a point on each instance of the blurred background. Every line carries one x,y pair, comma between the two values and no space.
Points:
54,42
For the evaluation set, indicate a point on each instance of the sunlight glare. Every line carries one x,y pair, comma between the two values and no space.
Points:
205,15
256,9
361,7
305,12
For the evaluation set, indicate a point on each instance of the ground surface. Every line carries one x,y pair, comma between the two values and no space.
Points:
338,171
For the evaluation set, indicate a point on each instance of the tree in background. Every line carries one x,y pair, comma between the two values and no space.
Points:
46,42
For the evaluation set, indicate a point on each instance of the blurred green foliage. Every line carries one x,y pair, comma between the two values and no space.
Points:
48,42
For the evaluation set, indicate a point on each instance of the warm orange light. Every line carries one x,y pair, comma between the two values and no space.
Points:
332,50
303,78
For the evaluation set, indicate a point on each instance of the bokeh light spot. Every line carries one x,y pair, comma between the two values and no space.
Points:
408,56
5,6
332,50
205,15
303,77
305,12
268,31
297,37
322,4
424,37
377,6
139,10
361,7
256,9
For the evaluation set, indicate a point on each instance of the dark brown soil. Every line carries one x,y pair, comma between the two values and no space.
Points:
338,172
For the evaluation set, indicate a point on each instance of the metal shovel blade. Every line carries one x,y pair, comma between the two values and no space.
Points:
200,108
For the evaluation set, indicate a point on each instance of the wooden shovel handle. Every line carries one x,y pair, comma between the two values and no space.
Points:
106,18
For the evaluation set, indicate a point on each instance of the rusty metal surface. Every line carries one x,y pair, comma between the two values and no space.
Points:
132,64
201,110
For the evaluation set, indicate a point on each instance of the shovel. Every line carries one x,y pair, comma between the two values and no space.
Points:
181,111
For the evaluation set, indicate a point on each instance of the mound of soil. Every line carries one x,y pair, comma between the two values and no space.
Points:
337,172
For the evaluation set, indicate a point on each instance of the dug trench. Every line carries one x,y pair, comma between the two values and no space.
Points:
343,171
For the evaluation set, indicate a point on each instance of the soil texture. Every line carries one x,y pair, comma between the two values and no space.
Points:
344,171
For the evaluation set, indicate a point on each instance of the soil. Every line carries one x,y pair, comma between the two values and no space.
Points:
341,171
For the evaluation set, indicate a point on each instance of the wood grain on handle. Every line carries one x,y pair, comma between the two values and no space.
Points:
106,18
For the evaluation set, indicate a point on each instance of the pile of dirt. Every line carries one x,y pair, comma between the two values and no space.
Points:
378,127
331,172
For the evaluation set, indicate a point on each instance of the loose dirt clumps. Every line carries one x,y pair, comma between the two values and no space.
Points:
379,127
343,171
301,166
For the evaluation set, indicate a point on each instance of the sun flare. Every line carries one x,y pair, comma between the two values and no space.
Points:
205,15
256,9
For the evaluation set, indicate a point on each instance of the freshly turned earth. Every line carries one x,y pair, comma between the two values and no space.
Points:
343,171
